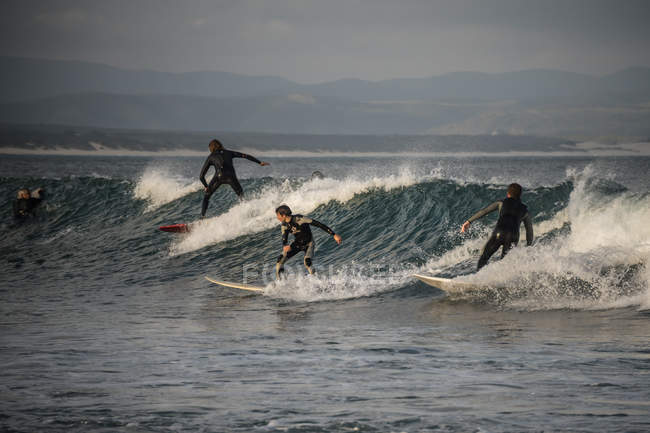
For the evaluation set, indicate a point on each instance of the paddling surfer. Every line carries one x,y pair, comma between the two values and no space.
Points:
26,203
221,160
512,212
298,225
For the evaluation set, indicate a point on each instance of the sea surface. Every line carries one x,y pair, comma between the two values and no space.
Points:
108,325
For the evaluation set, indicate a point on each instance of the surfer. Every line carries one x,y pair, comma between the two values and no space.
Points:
221,160
512,212
26,202
298,225
317,175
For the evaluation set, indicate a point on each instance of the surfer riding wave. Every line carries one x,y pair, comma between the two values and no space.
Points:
298,225
512,212
221,160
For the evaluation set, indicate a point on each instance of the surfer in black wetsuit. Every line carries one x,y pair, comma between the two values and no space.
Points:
298,225
512,212
26,203
317,175
221,160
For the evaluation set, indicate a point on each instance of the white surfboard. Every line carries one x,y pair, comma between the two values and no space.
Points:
447,284
240,286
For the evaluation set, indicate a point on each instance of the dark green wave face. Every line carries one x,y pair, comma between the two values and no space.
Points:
395,219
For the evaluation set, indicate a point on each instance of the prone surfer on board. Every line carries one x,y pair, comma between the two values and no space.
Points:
512,212
221,160
298,225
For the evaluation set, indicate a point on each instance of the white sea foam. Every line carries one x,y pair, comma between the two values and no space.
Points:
158,186
469,249
258,214
601,263
346,284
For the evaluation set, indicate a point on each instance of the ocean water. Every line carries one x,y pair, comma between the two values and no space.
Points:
107,324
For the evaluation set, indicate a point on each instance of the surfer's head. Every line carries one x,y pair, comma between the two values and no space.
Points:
282,212
514,190
23,193
215,145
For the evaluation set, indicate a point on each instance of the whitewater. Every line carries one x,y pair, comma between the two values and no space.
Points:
585,252
109,325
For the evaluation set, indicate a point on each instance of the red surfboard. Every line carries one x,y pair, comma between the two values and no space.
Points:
176,228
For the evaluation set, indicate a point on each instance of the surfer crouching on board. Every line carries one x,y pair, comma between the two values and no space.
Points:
221,160
512,212
298,225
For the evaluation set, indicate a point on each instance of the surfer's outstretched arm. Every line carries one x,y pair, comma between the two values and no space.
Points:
323,227
486,210
249,157
480,214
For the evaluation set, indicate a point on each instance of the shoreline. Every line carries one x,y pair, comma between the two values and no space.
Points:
581,149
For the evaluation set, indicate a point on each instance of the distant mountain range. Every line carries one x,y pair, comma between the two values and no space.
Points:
539,102
24,79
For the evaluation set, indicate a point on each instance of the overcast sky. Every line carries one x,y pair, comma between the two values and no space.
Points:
322,40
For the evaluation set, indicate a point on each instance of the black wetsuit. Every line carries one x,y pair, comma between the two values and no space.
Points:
304,240
221,160
512,212
26,207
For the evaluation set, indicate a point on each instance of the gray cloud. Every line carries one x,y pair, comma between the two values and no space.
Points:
312,40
